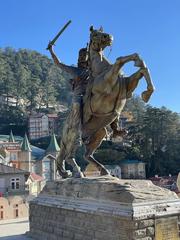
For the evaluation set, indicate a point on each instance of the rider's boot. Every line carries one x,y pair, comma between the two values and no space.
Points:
117,133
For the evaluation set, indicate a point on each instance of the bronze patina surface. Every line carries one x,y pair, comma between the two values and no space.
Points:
104,90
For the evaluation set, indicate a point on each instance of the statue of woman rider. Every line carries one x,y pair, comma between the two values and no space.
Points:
71,130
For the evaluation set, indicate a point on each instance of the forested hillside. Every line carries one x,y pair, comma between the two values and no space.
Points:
36,83
31,78
155,136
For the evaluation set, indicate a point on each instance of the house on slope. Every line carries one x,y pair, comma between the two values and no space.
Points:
13,192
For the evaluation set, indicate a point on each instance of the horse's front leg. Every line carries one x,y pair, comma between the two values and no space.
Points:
134,79
116,67
146,74
123,60
150,87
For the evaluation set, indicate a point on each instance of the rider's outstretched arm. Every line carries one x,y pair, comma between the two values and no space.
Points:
66,68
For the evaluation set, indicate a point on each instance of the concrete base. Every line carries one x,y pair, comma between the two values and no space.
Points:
104,208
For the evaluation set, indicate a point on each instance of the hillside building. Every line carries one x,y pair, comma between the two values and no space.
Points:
133,169
42,125
22,155
13,192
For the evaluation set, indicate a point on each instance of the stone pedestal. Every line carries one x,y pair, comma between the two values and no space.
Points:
104,208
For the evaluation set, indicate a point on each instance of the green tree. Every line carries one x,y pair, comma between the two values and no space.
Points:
159,143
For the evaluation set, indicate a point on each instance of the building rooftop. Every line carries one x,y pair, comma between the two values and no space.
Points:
37,115
111,167
25,146
53,146
4,169
52,115
37,153
36,177
11,137
5,138
133,161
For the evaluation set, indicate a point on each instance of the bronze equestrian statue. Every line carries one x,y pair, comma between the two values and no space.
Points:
105,97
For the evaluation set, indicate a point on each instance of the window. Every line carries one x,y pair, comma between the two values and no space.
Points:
13,156
15,183
16,213
1,215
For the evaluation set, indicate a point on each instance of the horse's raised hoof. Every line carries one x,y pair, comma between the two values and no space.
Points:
146,95
77,173
119,133
139,63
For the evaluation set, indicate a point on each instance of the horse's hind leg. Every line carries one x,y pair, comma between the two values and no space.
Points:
94,143
61,163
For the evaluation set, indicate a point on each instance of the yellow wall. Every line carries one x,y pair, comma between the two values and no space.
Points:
9,206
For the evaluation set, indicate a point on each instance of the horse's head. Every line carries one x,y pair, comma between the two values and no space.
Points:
99,40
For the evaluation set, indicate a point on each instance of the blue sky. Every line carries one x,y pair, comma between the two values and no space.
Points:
149,27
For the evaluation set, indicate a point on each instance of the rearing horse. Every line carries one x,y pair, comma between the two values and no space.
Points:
107,93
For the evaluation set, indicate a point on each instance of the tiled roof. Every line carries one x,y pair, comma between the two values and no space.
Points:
7,169
36,115
25,144
52,115
53,146
11,137
36,177
127,161
111,167
5,138
37,153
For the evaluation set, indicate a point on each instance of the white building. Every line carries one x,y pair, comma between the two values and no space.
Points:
38,126
114,170
41,125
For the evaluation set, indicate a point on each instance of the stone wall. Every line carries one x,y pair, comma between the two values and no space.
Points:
98,210
53,223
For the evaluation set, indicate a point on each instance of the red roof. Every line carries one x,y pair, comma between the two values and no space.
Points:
36,177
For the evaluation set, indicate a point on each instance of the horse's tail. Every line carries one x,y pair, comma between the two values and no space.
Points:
70,134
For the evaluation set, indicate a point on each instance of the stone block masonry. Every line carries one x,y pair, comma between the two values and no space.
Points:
58,214
51,222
